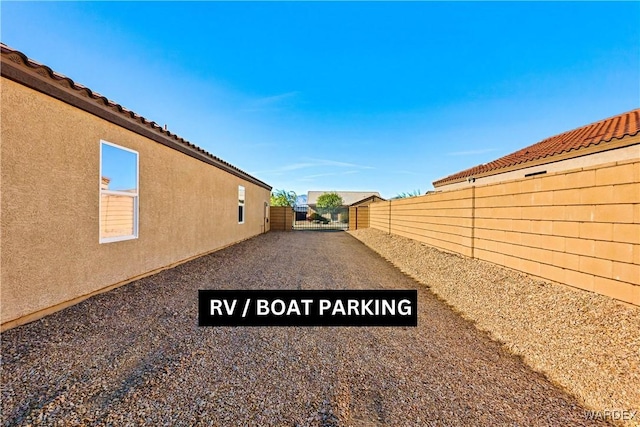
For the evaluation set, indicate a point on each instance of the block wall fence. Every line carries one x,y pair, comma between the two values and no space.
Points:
358,217
281,218
580,227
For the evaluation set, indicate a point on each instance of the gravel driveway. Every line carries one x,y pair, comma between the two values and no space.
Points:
136,356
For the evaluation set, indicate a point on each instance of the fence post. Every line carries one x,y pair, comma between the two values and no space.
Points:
473,220
389,216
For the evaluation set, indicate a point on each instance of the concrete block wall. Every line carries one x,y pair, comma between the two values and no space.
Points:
579,227
443,220
281,218
358,217
379,214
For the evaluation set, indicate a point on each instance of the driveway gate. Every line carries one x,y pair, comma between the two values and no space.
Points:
306,218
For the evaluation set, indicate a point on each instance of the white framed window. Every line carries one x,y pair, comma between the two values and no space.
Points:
118,193
241,194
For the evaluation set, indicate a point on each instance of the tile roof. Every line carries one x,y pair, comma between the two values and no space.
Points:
159,133
371,198
601,132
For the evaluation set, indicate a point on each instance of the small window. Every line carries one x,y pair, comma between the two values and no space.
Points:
118,193
240,204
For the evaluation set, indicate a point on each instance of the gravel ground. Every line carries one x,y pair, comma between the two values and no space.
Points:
587,343
136,356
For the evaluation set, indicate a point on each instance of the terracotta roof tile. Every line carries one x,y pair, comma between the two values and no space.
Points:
601,132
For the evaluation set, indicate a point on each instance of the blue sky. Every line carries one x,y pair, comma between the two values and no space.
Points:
346,96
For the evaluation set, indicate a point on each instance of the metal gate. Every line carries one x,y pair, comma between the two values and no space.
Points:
310,218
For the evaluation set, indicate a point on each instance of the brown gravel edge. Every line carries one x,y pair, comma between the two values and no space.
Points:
586,343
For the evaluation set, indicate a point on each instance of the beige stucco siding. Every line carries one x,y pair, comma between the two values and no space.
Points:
50,167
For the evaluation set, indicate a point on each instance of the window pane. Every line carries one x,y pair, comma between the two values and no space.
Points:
240,194
117,215
240,204
119,169
119,174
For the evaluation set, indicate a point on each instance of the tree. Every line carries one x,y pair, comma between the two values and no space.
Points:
329,203
403,195
283,198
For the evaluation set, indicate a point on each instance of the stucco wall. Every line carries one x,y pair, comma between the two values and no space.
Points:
50,167
579,227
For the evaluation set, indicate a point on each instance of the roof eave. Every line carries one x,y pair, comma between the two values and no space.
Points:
614,143
18,67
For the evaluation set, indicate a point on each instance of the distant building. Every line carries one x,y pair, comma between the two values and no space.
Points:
367,201
348,198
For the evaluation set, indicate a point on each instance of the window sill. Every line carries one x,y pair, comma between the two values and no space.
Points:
117,239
